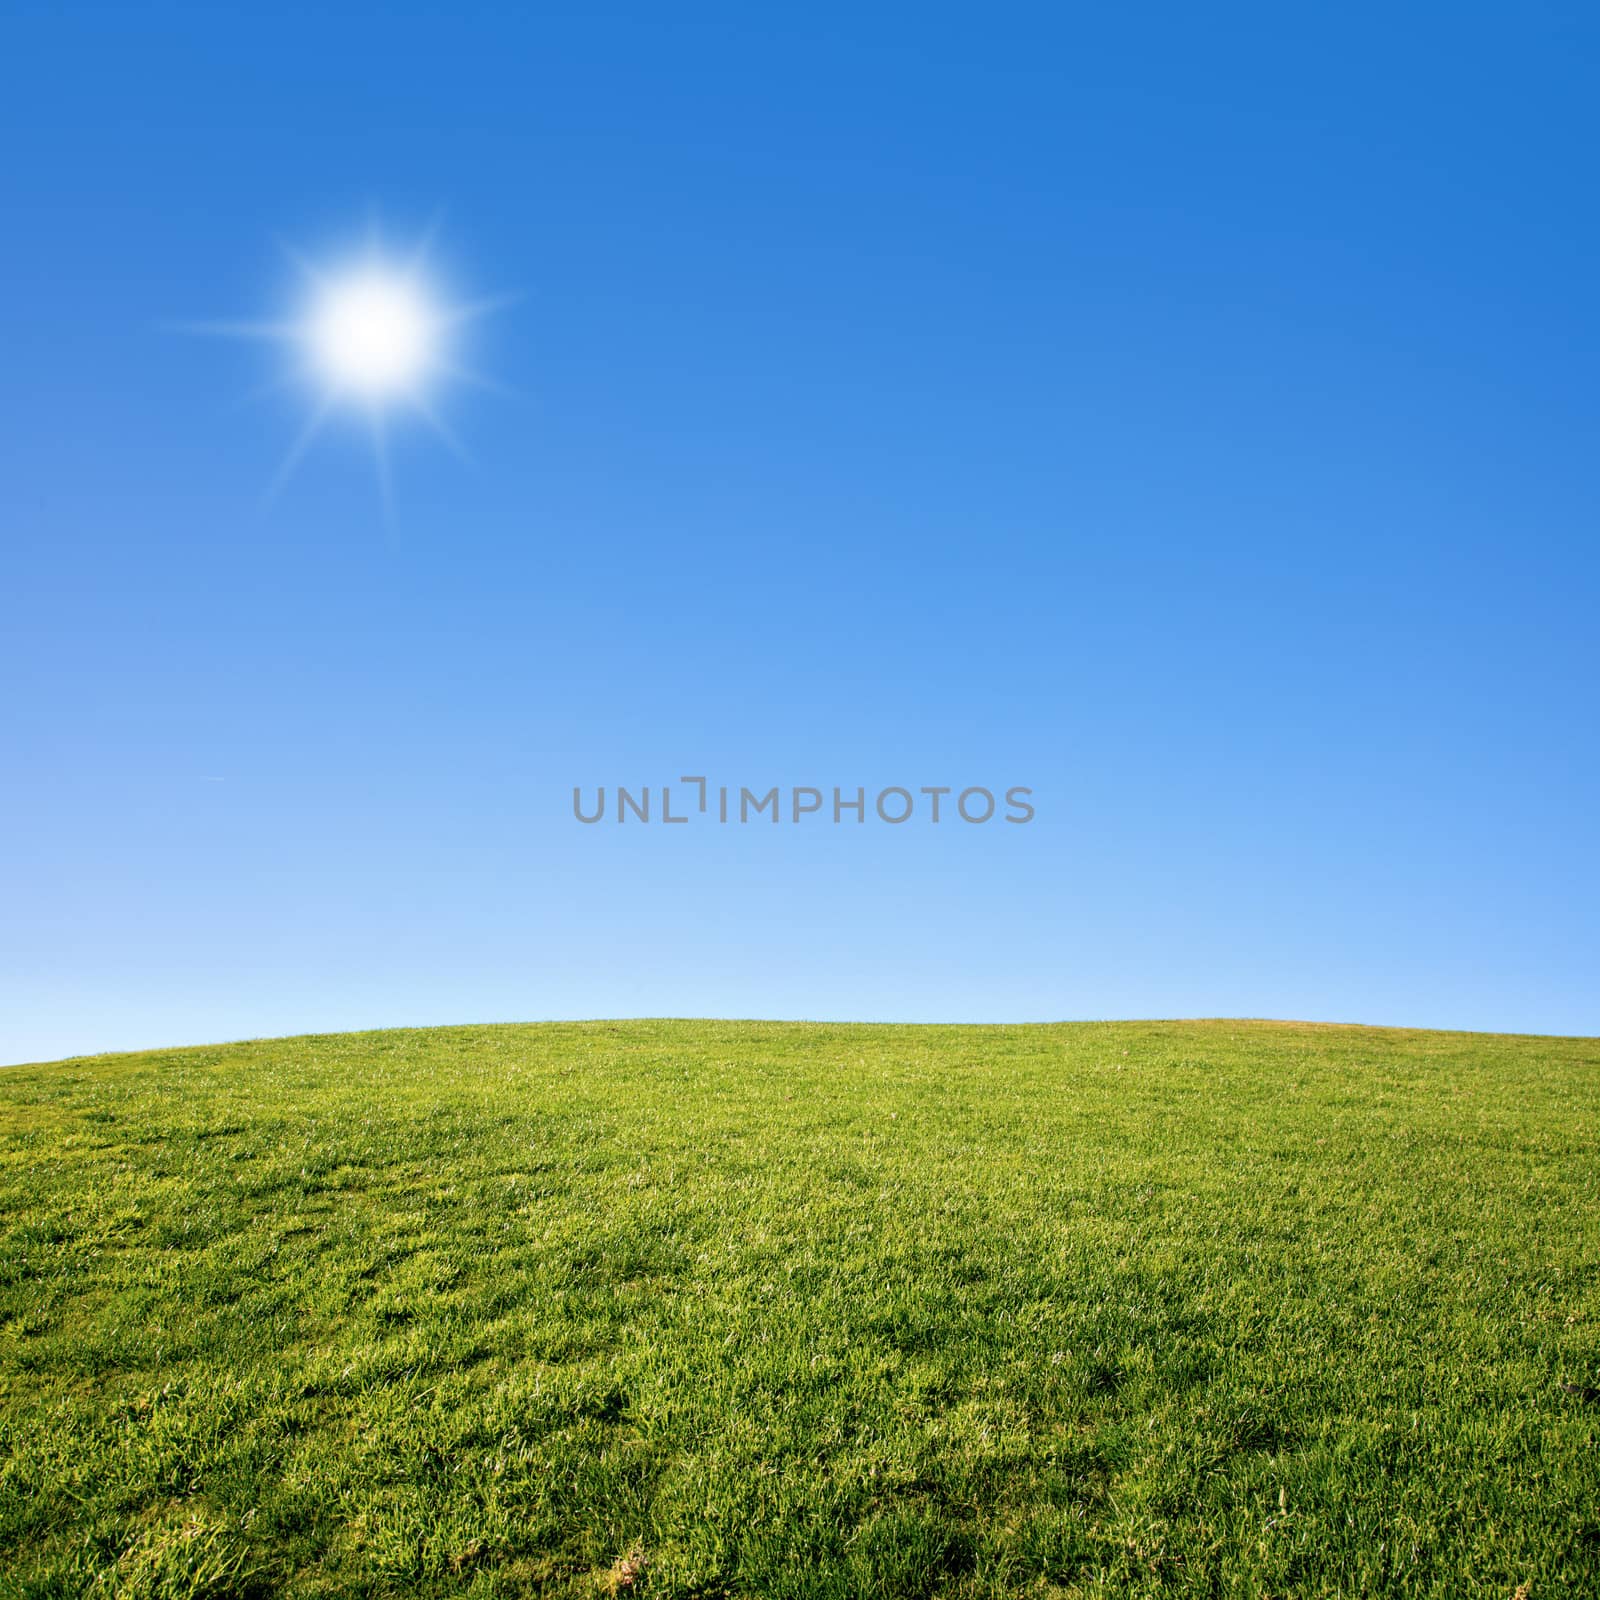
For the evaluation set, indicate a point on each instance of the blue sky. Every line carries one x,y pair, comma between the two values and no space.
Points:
1187,413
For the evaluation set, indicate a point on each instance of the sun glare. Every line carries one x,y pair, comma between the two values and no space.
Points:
373,334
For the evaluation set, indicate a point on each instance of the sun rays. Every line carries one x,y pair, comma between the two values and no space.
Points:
373,335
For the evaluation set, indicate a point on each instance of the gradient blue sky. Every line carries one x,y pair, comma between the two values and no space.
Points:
1187,412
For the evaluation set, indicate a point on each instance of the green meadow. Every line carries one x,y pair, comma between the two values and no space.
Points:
753,1309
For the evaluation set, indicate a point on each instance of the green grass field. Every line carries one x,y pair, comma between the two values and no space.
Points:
682,1308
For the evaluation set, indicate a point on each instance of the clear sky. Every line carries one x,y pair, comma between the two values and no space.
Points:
1186,412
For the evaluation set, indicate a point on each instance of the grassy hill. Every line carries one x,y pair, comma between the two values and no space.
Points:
683,1308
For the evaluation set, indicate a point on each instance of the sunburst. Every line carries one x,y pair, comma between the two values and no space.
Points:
374,335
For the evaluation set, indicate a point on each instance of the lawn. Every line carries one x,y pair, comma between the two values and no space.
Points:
690,1308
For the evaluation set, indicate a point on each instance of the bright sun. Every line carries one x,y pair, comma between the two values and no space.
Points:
373,334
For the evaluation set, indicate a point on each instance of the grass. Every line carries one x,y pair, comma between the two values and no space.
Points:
682,1308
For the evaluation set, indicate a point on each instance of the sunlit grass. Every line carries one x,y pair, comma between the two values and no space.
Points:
678,1308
